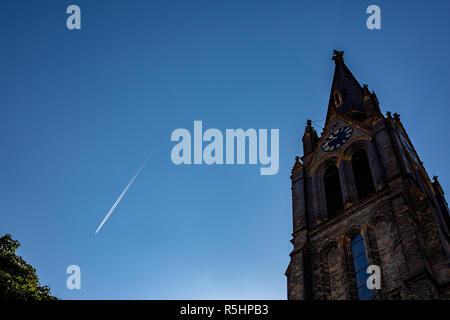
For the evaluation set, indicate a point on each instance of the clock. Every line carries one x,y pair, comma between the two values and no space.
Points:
337,138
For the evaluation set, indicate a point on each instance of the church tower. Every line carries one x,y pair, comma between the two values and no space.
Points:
360,197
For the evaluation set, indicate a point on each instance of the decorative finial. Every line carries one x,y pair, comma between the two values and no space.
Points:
309,128
338,56
396,117
435,178
366,91
297,165
388,114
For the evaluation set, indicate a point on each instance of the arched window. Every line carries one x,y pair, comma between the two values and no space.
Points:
333,192
361,172
360,264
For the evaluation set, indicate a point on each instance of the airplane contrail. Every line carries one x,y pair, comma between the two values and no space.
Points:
121,195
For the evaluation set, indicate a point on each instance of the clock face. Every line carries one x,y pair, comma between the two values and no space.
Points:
337,138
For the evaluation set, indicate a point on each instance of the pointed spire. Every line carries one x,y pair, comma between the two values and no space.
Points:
370,102
346,95
397,119
438,189
310,138
366,92
297,165
309,128
389,115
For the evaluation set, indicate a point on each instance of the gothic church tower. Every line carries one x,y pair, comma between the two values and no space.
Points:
360,197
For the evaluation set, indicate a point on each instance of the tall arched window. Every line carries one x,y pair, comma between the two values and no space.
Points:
362,174
333,192
360,264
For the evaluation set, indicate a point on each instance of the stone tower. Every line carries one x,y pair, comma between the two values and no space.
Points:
360,197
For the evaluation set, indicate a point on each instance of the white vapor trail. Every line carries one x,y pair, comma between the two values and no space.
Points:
121,195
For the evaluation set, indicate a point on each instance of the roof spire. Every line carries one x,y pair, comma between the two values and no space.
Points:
310,138
346,94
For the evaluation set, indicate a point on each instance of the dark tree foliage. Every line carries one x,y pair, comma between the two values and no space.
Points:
18,280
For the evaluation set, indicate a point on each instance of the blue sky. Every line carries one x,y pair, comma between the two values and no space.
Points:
81,110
